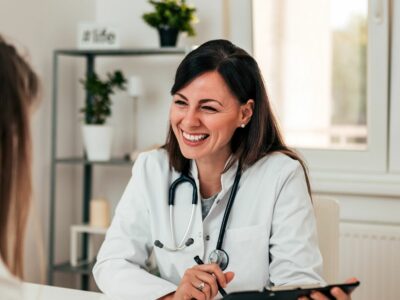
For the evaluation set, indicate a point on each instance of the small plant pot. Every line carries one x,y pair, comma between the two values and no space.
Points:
97,142
168,36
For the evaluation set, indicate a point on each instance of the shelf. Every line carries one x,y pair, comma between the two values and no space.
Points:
89,57
82,161
66,267
86,228
123,52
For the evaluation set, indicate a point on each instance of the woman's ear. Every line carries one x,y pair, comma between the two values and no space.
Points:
246,111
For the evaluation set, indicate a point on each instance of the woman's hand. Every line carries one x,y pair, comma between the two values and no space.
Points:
200,282
336,292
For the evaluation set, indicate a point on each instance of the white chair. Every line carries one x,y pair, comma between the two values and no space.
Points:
327,216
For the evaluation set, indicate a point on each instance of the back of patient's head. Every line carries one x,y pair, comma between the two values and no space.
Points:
18,90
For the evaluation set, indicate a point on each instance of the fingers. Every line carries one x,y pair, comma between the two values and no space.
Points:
203,287
213,269
339,294
200,282
198,295
187,291
210,282
336,292
229,276
318,296
351,280
197,281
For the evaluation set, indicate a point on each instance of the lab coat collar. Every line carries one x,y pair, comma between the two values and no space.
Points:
227,178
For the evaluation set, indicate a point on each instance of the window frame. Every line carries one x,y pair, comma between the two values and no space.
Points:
394,129
375,158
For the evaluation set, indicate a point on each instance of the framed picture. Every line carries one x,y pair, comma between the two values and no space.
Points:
98,36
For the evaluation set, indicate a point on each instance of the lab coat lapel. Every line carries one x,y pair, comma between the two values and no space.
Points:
227,178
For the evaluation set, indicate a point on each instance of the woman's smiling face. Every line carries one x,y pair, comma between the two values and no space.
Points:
204,116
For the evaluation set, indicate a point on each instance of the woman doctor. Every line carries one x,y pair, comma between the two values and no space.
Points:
224,136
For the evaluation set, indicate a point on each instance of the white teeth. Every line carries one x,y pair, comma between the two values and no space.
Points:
194,138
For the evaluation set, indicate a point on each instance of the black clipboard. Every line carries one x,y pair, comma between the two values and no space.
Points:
291,294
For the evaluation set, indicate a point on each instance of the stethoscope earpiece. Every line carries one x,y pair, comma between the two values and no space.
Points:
158,244
189,242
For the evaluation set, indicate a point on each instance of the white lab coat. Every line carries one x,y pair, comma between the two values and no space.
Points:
10,286
270,238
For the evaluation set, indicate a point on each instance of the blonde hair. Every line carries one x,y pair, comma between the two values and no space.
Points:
18,90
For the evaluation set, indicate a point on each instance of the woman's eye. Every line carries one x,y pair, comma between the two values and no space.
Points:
209,108
180,102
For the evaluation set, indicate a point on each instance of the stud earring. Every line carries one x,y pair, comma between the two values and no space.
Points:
243,125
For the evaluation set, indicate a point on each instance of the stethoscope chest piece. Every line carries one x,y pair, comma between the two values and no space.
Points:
219,257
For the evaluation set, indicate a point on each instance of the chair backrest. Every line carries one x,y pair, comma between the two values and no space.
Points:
327,216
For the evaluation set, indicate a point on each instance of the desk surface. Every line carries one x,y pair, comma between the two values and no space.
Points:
45,292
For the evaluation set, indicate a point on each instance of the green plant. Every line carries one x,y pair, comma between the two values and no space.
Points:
99,108
172,13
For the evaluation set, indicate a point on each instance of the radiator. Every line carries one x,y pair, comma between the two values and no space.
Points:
371,253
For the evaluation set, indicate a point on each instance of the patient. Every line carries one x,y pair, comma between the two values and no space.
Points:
18,90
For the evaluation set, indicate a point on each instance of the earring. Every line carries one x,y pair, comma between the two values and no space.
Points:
243,125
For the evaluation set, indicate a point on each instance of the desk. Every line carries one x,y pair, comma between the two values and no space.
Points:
33,291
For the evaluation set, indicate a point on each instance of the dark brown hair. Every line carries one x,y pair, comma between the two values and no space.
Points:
241,73
18,89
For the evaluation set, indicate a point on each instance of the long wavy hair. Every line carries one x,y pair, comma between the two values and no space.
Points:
18,90
241,73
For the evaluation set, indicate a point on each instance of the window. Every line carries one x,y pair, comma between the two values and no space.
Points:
394,161
325,64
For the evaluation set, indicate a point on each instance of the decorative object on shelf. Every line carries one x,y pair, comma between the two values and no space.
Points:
99,213
135,86
97,136
135,91
74,252
97,140
171,17
97,36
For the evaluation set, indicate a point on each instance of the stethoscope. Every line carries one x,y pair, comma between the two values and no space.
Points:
218,255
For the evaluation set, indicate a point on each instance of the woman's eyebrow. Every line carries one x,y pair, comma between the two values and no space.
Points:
202,100
183,96
210,100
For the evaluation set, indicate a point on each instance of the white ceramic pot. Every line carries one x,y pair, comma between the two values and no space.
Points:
97,141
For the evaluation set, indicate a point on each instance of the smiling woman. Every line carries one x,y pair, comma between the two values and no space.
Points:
204,116
224,147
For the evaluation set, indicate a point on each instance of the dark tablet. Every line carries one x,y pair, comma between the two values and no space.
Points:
291,294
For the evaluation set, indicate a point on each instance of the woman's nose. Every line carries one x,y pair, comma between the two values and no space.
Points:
191,118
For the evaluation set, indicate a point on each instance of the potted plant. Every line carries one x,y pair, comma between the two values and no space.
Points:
169,18
97,135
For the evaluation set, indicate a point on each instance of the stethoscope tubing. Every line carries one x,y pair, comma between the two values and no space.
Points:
222,258
172,189
228,209
172,226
